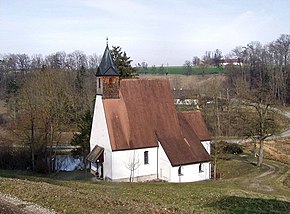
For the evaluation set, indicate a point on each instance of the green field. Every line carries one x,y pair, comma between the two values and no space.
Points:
244,189
181,70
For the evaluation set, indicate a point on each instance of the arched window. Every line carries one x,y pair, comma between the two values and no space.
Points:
180,171
146,157
200,167
99,82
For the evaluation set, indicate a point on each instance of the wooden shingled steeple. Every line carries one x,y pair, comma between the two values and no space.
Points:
108,76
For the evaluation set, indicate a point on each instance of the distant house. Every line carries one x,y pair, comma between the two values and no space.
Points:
137,134
231,62
184,97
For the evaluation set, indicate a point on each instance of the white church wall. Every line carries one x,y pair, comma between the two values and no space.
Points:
122,162
206,145
164,164
190,173
100,137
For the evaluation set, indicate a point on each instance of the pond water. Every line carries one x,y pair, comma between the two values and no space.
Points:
69,163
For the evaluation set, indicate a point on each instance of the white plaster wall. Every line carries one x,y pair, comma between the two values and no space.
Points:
100,136
190,173
206,145
207,170
164,164
121,160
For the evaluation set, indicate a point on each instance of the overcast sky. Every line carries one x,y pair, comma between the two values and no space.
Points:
155,31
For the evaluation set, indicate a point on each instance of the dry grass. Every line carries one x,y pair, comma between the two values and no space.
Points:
3,109
278,150
242,193
194,82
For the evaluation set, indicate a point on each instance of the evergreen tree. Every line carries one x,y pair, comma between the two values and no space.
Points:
123,62
82,138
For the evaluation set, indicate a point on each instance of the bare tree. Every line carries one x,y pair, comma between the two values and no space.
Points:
133,164
23,63
213,117
188,67
195,61
93,61
56,60
217,59
264,63
37,62
280,55
256,115
47,103
207,58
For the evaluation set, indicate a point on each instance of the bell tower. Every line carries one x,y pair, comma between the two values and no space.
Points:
108,76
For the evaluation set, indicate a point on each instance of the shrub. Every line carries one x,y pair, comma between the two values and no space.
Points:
232,148
13,157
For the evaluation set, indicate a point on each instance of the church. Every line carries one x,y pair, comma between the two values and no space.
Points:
137,134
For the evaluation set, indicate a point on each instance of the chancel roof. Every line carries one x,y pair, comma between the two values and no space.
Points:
196,122
144,115
107,66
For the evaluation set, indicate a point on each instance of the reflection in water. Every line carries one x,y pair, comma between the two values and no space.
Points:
69,163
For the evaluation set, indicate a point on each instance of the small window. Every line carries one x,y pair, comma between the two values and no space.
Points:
99,83
180,171
201,168
146,158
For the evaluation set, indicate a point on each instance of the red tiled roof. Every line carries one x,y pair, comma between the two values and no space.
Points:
144,114
197,123
191,137
231,60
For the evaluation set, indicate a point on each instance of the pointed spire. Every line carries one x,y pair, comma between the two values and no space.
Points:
107,66
107,41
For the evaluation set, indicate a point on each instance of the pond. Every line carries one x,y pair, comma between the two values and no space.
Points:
69,163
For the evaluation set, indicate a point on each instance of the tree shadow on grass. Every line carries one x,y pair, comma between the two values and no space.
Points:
234,204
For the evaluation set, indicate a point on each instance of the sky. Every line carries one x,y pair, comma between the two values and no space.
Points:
155,31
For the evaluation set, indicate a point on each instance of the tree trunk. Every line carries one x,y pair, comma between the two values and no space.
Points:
214,170
261,154
32,146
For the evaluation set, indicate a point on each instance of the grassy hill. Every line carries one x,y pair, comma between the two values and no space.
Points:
195,70
244,189
198,83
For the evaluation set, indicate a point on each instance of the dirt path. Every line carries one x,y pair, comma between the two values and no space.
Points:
14,205
267,181
272,170
6,208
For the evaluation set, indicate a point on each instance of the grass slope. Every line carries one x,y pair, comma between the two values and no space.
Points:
182,70
245,189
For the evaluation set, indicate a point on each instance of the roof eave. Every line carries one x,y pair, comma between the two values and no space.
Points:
190,163
126,149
